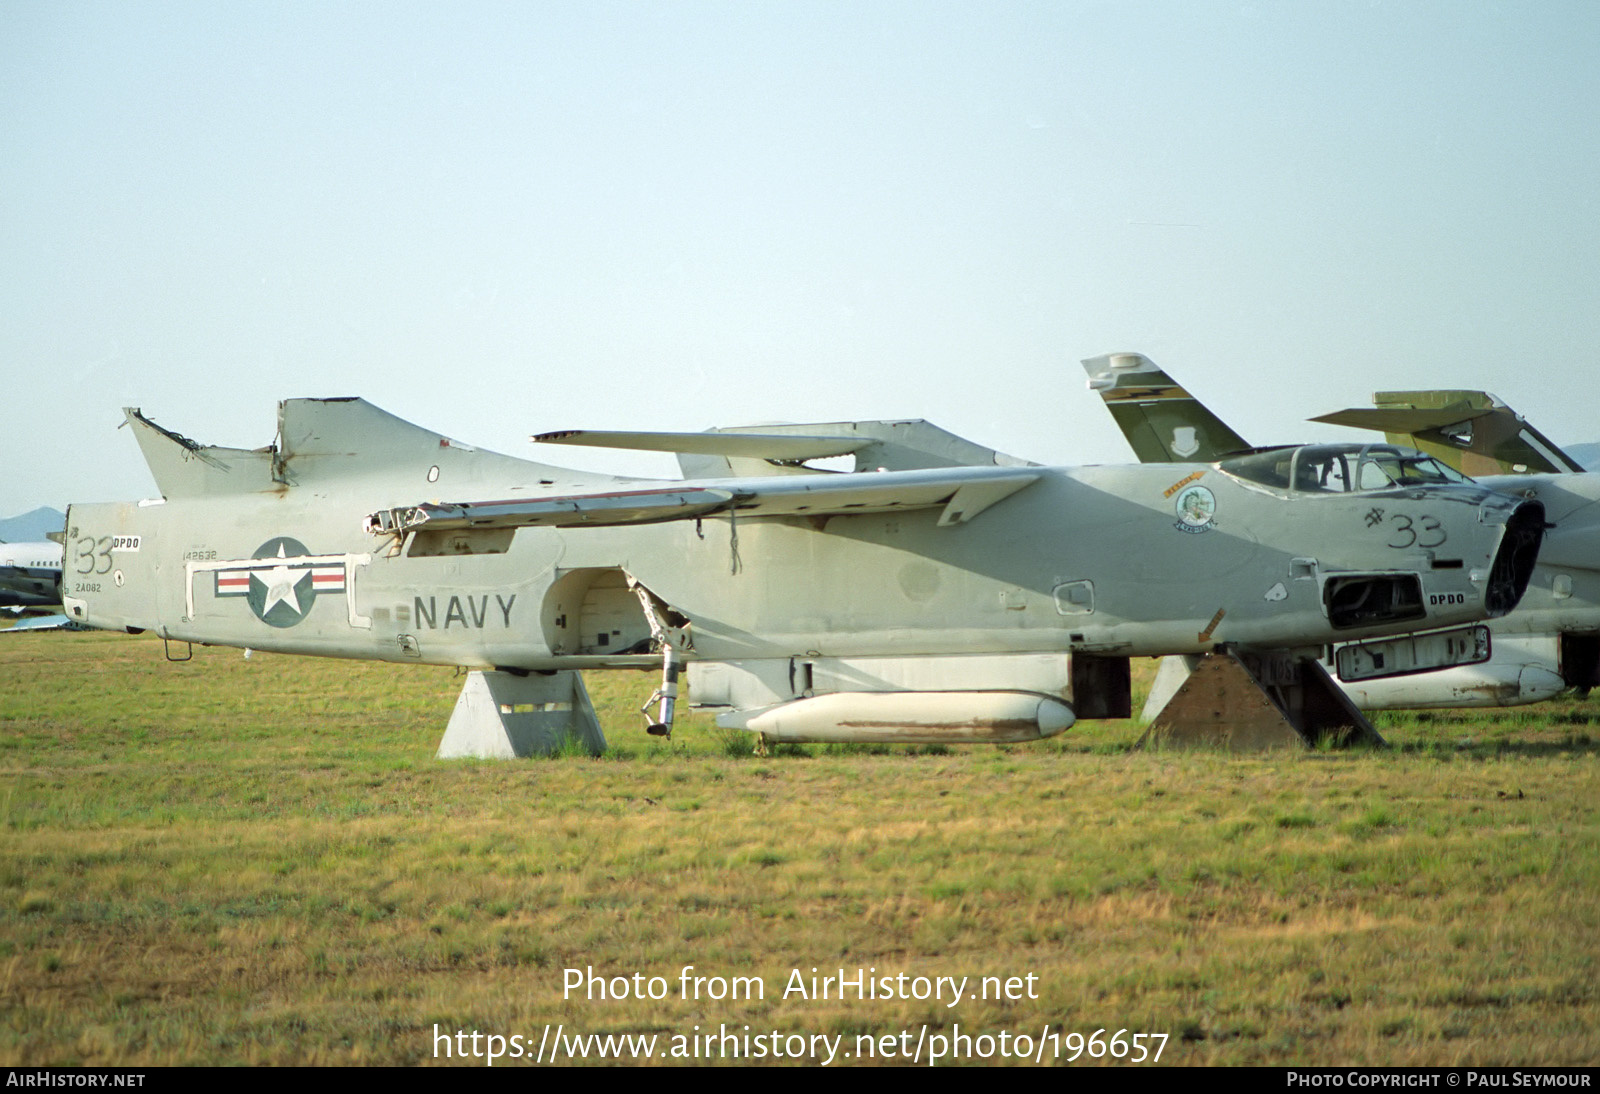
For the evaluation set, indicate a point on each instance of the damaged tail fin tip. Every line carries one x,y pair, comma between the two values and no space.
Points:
183,467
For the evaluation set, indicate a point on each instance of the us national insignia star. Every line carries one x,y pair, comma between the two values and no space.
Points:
282,581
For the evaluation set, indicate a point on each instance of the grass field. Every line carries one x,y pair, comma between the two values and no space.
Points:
259,861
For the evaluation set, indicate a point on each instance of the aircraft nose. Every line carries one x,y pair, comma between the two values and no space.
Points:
1515,559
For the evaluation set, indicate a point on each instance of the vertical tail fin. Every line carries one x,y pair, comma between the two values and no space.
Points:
186,468
1162,421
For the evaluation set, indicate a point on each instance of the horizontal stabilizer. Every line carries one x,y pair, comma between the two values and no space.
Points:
1399,419
1471,431
963,492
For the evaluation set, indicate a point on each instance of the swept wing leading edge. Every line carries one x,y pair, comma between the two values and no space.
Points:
964,492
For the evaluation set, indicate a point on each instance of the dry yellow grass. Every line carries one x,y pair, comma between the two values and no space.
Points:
258,861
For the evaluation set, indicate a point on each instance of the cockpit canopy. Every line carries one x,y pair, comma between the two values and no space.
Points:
1341,468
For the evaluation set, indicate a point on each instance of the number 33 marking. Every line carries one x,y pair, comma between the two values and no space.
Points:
87,555
1428,535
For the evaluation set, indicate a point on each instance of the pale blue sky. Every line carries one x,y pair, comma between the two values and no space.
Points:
496,219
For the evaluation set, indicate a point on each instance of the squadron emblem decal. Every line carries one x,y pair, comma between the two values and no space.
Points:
1184,441
1197,510
282,581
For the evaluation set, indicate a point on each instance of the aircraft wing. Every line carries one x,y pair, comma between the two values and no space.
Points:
41,623
963,492
773,450
764,446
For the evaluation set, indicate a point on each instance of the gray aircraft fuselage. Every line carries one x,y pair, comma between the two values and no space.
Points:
273,549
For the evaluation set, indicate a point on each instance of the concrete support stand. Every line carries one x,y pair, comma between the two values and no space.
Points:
500,716
1247,702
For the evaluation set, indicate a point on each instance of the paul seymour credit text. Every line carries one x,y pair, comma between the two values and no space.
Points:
1049,1041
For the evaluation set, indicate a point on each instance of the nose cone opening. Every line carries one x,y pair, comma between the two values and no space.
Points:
1513,563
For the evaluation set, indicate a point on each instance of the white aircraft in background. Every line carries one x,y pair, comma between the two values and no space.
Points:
30,575
30,581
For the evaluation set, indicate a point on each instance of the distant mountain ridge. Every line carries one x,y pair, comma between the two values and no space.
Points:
1586,454
32,526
